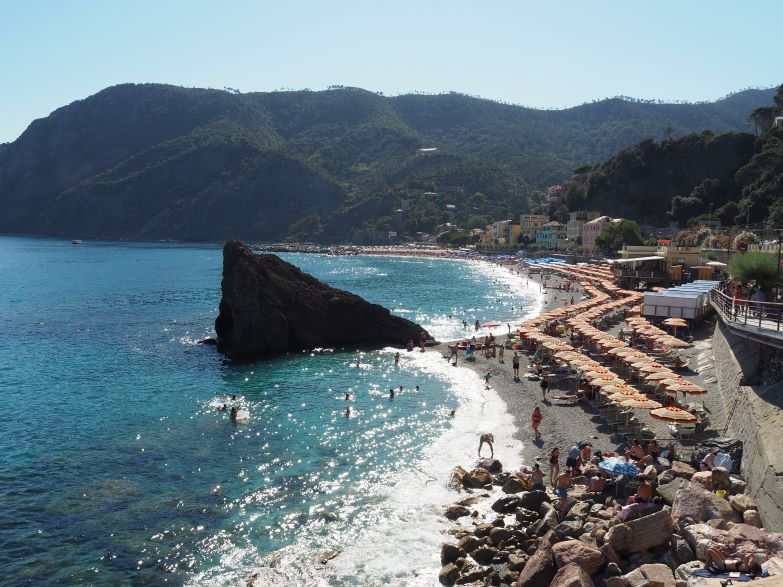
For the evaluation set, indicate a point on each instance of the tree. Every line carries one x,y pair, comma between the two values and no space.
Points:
617,234
685,207
763,118
757,266
727,213
305,228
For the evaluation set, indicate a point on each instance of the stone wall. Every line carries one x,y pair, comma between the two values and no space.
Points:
753,414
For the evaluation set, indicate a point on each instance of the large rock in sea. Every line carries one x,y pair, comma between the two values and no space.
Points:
270,306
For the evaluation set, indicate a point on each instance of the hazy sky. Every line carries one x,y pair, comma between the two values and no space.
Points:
544,53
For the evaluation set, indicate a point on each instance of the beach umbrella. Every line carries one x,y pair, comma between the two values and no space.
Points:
620,351
641,404
606,382
676,342
618,466
566,354
612,343
621,397
674,414
619,389
651,368
659,375
690,389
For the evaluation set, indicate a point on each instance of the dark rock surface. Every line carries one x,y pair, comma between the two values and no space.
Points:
270,306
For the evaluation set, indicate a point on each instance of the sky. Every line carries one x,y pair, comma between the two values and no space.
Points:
545,54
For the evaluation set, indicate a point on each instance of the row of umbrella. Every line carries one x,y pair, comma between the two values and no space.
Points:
578,317
649,332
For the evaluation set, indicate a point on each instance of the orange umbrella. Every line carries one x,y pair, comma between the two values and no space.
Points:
674,414
651,368
641,404
691,389
658,376
606,382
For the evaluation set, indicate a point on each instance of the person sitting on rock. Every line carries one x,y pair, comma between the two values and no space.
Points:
635,452
597,483
717,560
720,480
489,439
708,462
644,493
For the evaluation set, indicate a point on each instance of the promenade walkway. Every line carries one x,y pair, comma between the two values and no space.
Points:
759,321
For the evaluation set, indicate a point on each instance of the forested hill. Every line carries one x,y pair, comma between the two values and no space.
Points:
738,177
158,161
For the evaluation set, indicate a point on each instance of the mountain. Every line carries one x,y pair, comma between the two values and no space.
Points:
160,161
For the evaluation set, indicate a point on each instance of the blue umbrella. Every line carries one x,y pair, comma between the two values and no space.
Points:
618,466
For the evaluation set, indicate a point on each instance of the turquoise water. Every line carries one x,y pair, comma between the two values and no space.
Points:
117,469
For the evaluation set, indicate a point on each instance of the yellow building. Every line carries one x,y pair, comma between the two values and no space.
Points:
529,225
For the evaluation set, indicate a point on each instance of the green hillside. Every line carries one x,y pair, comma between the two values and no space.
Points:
158,161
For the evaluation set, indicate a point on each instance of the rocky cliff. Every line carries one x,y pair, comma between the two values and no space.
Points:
270,306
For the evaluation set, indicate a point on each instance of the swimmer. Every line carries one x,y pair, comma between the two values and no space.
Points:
391,393
397,359
233,398
233,413
348,412
400,388
222,408
417,388
347,397
453,413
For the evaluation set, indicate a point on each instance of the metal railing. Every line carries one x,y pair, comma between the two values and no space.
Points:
767,315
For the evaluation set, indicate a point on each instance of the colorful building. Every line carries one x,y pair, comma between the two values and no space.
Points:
591,230
551,235
505,232
529,225
576,221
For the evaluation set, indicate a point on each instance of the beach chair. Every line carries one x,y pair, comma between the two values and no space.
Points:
682,431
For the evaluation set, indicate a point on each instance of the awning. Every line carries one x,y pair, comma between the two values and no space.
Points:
715,264
637,259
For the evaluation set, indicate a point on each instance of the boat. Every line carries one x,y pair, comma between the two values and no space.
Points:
77,242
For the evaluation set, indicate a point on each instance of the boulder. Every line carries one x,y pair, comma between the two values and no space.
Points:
683,572
699,537
655,574
610,553
498,535
477,478
612,570
483,530
692,501
683,470
491,465
450,552
532,500
683,551
470,573
507,505
469,543
270,306
456,479
703,478
473,499
540,567
642,533
742,502
526,517
515,485
448,574
454,512
590,559
669,491
751,518
568,529
581,509
547,523
483,555
666,476
572,575
516,562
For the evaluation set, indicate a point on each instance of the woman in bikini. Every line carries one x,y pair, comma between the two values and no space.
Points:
554,464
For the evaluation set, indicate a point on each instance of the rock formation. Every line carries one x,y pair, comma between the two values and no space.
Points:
270,306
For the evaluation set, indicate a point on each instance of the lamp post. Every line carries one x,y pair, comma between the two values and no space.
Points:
780,236
747,216
711,211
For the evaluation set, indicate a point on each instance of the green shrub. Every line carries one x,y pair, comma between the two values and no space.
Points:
755,266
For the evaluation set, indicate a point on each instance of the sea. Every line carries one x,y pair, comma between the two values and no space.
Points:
118,468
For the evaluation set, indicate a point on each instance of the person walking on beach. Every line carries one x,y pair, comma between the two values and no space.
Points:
509,327
537,476
501,352
515,365
536,421
489,439
573,459
544,386
486,380
554,465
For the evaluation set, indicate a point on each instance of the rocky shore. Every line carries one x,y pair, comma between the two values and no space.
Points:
505,533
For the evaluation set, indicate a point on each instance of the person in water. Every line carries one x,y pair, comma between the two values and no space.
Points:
489,439
348,412
234,413
222,408
397,359
453,413
347,397
391,393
